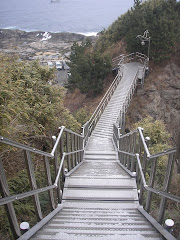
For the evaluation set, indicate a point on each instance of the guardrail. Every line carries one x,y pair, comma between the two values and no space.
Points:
67,152
135,157
90,125
68,148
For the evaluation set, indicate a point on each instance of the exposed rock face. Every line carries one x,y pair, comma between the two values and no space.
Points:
160,99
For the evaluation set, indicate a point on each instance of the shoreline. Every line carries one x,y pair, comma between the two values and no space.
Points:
87,34
39,44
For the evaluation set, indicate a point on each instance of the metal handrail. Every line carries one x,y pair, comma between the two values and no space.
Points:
37,151
173,150
149,156
130,154
16,197
128,96
118,77
139,163
104,98
153,190
24,147
19,196
100,106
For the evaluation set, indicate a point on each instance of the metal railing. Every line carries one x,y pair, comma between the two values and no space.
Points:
68,148
120,122
90,125
67,152
135,157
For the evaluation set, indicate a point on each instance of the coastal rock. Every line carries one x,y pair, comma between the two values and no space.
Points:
38,44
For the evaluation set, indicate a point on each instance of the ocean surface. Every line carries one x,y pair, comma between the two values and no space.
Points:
79,16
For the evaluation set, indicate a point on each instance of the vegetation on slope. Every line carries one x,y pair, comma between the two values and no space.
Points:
90,64
88,69
160,140
31,110
160,17
29,105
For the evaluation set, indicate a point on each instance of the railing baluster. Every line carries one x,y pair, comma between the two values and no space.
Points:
9,207
32,180
49,181
81,146
78,147
167,181
75,148
151,184
67,149
129,150
72,149
133,151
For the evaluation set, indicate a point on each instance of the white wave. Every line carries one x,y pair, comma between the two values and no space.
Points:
88,34
11,27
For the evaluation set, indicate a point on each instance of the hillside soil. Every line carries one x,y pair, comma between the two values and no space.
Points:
160,97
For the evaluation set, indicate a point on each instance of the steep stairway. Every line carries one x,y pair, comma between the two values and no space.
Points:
104,127
100,199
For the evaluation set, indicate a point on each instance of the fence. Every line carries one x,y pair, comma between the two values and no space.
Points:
90,125
135,158
67,152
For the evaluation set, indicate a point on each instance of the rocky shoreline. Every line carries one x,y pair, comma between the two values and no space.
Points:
39,45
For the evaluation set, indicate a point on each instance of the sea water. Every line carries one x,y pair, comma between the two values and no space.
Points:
79,16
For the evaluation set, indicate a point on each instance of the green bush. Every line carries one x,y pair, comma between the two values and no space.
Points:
88,70
159,141
82,115
160,17
29,104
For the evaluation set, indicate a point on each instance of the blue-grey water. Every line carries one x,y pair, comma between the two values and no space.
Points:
79,16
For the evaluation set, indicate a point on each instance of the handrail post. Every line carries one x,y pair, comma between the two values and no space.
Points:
49,181
151,184
75,148
129,150
72,149
32,180
67,149
78,148
4,189
81,146
56,165
133,151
